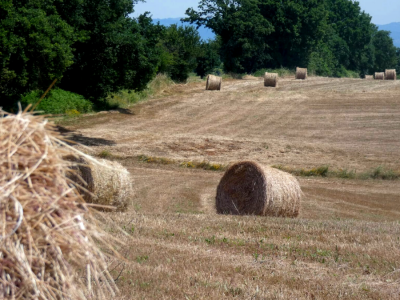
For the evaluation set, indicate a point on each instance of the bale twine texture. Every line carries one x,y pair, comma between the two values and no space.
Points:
379,76
390,74
248,188
301,73
271,79
369,77
102,182
49,240
214,83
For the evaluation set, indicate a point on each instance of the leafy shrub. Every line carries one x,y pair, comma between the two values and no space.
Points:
58,101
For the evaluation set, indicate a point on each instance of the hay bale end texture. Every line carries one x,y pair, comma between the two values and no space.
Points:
390,74
50,244
301,73
271,79
248,188
379,76
214,83
102,182
369,77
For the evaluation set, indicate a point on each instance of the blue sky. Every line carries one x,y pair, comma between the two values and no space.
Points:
382,11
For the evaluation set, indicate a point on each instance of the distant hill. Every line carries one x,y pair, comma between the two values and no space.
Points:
394,28
204,32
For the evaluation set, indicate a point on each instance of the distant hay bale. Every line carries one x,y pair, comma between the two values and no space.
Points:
49,237
379,76
102,182
390,74
250,189
271,79
213,83
301,73
369,77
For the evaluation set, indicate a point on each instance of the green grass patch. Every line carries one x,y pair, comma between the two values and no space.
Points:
281,71
58,101
126,98
186,164
380,173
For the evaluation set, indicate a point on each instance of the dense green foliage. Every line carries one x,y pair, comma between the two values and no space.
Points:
330,37
35,46
119,52
58,101
208,60
181,47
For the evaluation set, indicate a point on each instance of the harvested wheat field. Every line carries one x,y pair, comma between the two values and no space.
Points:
345,242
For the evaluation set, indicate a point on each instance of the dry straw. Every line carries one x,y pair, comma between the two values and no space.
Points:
369,77
104,183
213,83
251,189
301,73
390,74
379,76
271,79
50,243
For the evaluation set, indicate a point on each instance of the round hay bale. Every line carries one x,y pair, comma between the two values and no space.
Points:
301,73
271,79
102,182
379,76
214,83
390,74
369,77
251,189
48,235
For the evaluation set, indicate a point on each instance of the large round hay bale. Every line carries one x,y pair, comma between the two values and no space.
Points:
50,245
390,74
379,76
214,83
271,79
102,182
248,188
301,73
369,77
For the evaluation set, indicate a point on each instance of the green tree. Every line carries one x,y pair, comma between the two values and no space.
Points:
242,29
353,30
35,47
298,27
209,58
119,52
385,51
181,46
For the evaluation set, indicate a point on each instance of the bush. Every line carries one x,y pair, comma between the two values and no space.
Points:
57,101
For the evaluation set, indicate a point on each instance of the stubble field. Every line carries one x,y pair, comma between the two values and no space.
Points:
345,244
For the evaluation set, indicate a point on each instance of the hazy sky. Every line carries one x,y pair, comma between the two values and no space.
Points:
382,11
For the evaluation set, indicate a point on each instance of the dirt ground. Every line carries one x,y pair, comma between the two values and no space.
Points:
344,245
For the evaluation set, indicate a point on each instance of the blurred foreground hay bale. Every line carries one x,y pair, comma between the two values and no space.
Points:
251,189
390,74
271,79
213,83
379,76
102,182
50,243
301,73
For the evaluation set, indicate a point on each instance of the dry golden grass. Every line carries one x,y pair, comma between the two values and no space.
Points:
49,239
343,245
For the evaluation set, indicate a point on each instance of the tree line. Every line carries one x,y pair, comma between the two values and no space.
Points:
95,47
